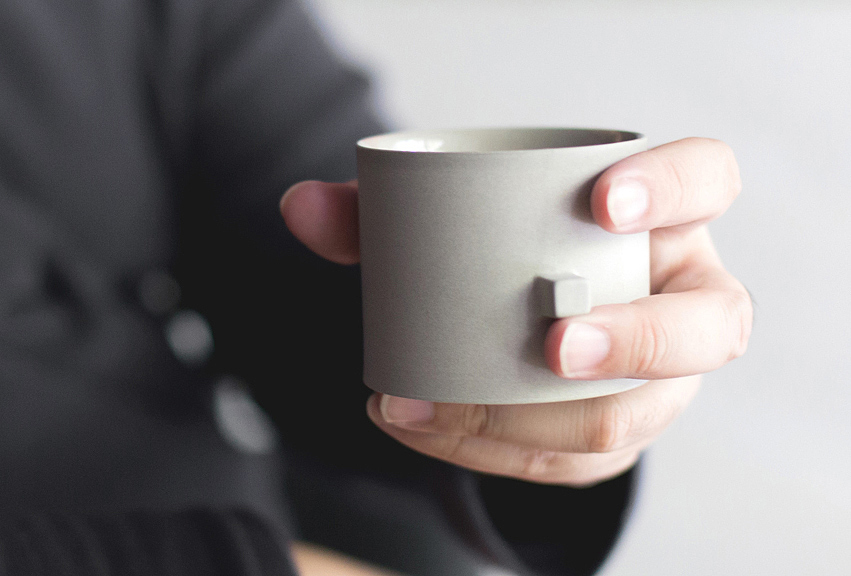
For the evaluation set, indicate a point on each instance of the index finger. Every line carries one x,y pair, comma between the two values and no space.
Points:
689,181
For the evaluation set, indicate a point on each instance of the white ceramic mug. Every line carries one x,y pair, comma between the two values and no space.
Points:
472,241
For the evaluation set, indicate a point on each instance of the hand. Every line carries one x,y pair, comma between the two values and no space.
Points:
697,319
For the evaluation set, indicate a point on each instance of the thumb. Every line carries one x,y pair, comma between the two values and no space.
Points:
324,217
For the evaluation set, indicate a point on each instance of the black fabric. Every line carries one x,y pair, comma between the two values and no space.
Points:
193,542
157,136
551,528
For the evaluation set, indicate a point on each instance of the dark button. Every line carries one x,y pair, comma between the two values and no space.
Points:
158,292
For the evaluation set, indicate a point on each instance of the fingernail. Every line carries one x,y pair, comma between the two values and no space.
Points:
627,201
582,348
401,411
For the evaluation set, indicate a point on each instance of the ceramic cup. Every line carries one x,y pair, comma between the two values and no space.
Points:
472,242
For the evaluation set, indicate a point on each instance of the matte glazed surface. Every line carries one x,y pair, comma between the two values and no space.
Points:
451,246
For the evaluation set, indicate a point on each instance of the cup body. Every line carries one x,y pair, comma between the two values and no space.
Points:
462,232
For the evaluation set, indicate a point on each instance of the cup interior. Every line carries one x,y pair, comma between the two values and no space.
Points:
495,139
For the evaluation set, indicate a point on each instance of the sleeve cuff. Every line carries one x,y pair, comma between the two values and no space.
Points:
540,529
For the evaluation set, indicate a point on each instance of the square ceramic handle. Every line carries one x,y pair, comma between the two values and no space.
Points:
562,295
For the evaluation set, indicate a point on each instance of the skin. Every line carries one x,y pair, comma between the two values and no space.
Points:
697,319
312,560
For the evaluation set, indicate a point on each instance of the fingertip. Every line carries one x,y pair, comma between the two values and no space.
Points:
373,407
598,200
286,202
324,217
620,202
577,348
552,347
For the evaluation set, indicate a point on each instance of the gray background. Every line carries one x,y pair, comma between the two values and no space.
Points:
754,477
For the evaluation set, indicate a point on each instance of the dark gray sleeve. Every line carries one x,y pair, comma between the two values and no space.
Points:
191,543
273,106
253,99
422,517
553,530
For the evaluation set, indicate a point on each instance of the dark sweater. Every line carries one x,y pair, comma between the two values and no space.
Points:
151,139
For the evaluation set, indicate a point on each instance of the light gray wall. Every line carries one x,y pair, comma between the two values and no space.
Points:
754,477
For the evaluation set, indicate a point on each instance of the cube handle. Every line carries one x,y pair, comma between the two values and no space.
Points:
562,295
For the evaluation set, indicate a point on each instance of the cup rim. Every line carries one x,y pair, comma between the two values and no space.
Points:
429,141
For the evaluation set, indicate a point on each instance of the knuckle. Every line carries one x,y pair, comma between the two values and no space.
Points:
731,169
587,472
451,449
477,419
610,427
678,174
538,465
692,185
650,346
728,175
739,311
